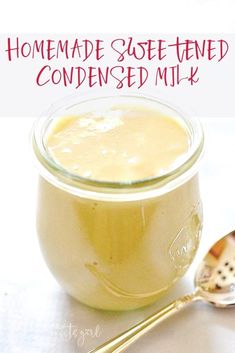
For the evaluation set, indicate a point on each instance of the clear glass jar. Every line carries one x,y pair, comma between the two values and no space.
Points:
118,245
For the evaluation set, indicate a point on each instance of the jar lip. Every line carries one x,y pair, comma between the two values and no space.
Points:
61,177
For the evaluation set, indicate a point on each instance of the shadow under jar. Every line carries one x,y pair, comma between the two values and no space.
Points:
118,245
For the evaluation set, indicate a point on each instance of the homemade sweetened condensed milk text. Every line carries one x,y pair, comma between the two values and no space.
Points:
87,57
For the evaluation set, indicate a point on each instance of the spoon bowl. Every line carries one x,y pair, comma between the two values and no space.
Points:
215,277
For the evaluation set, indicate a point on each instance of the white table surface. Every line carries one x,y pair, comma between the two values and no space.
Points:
36,316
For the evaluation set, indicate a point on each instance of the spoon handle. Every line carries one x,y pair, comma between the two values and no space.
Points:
121,342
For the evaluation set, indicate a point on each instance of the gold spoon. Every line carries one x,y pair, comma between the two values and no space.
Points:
214,284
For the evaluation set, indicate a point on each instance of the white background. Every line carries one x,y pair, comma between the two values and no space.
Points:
34,308
149,16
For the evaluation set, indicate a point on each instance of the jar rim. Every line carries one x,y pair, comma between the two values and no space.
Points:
116,190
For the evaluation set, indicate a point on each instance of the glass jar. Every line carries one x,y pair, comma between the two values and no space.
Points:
118,245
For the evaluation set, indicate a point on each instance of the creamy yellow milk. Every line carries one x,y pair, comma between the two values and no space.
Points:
106,253
119,145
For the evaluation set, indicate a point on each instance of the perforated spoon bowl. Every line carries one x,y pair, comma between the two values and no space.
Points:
214,284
